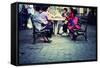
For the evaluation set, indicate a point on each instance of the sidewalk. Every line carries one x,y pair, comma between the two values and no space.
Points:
60,49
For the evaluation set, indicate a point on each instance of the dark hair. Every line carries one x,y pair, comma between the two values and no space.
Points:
41,7
44,8
65,9
75,12
37,8
71,9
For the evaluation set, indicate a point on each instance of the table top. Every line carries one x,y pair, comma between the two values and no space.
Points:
57,19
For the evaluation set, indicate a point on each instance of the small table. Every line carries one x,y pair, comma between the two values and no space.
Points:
55,20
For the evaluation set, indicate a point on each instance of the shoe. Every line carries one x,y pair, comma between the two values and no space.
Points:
49,41
57,33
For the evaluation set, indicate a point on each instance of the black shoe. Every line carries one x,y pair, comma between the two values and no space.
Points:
57,33
49,41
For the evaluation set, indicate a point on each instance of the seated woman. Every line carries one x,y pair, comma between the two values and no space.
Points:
46,22
73,23
41,21
63,23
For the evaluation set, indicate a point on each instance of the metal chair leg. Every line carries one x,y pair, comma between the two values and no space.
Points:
34,39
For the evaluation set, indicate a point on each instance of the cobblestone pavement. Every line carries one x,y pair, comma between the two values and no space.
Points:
61,48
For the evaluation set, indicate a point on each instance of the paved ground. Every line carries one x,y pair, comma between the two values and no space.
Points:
61,48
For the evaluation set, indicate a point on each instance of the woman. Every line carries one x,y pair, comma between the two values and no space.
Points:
42,22
64,23
73,23
46,22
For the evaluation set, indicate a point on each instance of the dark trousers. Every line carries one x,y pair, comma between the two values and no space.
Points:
49,27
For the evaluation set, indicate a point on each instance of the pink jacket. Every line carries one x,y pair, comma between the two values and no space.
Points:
76,25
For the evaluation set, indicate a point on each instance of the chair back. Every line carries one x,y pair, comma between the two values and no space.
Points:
84,27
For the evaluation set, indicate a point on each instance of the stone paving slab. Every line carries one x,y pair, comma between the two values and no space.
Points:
60,49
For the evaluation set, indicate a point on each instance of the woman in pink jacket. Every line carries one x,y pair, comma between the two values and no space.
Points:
73,22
